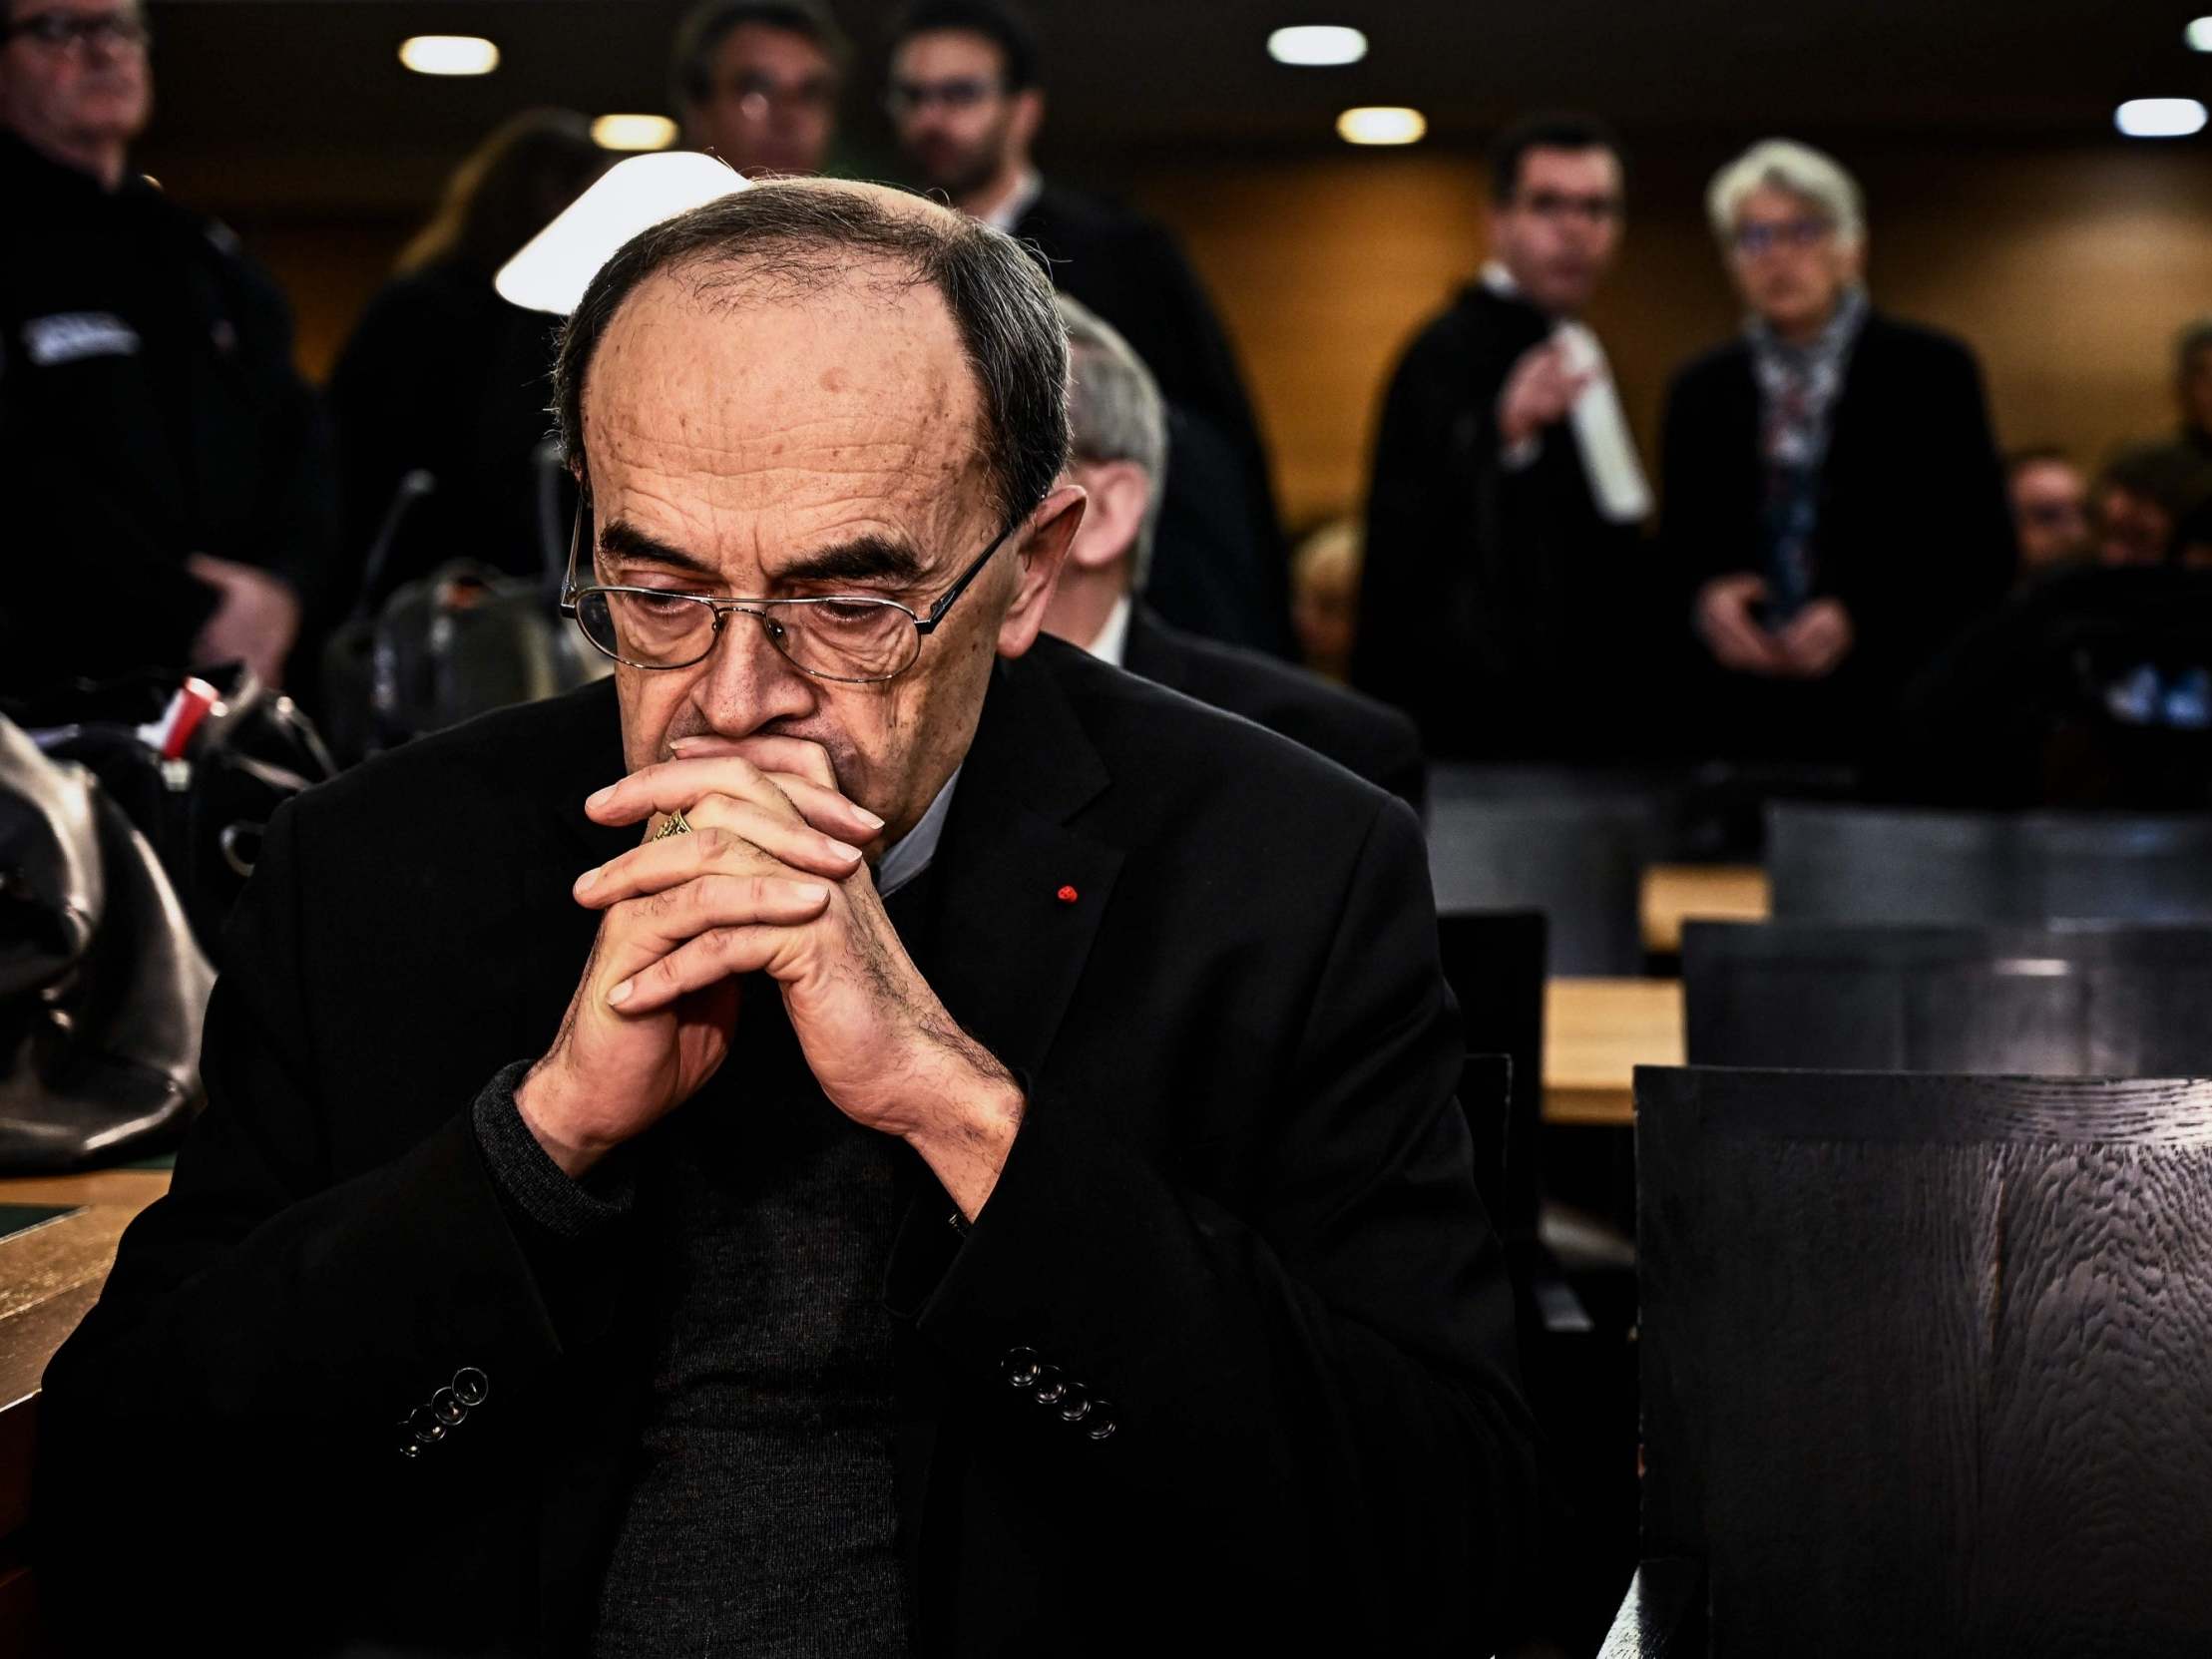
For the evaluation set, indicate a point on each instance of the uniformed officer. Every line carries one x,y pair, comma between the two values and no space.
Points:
166,480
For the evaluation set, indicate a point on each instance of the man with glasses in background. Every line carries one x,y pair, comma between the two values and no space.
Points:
870,1131
168,482
1505,500
1836,510
757,83
967,100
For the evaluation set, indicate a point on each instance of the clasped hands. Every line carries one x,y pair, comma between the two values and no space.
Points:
771,880
1811,645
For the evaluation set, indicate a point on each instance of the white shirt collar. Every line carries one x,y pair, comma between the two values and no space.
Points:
910,855
1112,642
1007,213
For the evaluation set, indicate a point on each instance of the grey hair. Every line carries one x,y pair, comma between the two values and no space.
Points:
804,235
1813,175
1117,412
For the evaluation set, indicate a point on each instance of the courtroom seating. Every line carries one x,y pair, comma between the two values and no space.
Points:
1571,844
1494,962
2072,1000
1924,1361
1917,865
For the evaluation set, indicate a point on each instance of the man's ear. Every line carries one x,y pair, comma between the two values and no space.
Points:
1119,493
1029,116
1038,558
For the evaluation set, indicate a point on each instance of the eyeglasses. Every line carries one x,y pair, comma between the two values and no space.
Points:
852,639
117,31
965,93
757,94
1755,240
1599,210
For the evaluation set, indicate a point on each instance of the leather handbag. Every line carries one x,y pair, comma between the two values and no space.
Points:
101,985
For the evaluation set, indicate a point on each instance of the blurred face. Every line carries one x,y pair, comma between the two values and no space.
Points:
959,125
1560,230
2131,529
769,446
74,75
1789,263
773,104
2050,506
2196,391
1324,608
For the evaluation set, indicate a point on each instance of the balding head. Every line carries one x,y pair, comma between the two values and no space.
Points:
797,235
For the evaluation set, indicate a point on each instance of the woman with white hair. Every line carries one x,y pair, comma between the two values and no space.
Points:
1833,494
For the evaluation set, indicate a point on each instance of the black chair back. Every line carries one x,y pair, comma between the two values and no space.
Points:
1572,846
1486,1092
2079,1000
1923,1360
1912,865
1495,965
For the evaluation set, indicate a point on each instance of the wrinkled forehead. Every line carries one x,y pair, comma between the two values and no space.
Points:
720,390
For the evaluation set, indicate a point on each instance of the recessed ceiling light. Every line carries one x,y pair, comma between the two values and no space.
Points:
634,132
449,54
1381,123
2159,118
557,264
2199,35
1317,45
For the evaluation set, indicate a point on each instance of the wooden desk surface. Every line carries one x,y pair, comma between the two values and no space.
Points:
49,1274
1679,893
1595,1034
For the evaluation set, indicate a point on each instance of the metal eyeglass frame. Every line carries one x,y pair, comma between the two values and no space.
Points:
924,625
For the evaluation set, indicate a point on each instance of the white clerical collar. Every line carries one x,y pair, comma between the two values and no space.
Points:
1498,280
1017,202
1112,642
909,856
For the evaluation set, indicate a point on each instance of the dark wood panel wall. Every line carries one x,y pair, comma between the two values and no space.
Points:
2069,271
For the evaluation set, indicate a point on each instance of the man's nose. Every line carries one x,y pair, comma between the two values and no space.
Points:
749,680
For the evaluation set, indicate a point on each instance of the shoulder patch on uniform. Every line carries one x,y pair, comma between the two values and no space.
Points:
67,337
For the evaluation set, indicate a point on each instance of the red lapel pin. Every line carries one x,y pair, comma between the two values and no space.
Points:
1067,895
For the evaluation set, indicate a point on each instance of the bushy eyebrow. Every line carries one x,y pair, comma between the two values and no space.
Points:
627,540
866,558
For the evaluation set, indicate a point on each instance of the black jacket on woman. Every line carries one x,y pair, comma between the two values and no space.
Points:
1914,535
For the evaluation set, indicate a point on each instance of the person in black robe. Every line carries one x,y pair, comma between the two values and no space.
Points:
1503,504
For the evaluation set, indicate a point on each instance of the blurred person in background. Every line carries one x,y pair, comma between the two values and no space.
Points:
1504,507
1325,596
967,100
2144,492
2193,385
442,375
1120,456
164,457
2051,508
1834,498
757,83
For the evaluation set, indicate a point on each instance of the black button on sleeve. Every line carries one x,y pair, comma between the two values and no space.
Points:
446,1407
471,1386
1102,1426
425,1427
1052,1386
1021,1368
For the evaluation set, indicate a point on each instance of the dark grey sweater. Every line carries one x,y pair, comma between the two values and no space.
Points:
759,1518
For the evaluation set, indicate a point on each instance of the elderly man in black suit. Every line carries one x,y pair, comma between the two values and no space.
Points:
1119,455
968,99
870,1131
1834,497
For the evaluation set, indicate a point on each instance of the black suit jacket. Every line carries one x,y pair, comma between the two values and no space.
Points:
1240,1205
1357,732
1221,538
1493,602
1914,536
